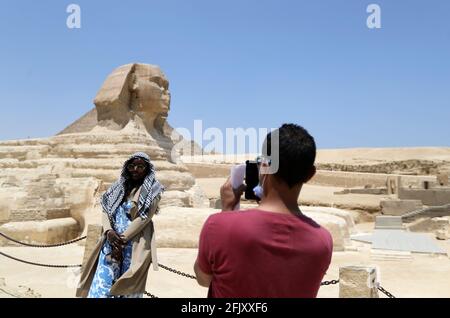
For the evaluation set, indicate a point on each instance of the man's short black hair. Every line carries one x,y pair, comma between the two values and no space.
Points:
297,153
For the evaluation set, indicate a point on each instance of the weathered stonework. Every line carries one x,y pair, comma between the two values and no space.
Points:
357,282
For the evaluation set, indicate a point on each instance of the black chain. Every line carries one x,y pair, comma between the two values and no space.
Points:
326,283
43,245
38,264
150,295
330,282
384,291
176,272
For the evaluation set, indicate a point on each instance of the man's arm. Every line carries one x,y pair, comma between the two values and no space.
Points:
203,264
230,197
203,279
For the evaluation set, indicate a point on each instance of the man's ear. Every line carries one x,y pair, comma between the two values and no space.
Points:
312,173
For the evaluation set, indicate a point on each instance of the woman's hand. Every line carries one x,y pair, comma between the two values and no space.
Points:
116,240
117,254
117,243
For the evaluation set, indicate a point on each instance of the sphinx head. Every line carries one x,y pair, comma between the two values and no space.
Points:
134,90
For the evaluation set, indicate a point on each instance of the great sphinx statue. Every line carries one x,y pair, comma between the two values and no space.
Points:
138,92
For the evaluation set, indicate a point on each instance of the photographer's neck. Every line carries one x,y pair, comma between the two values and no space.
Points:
279,197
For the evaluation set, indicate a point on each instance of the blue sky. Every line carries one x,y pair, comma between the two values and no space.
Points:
247,63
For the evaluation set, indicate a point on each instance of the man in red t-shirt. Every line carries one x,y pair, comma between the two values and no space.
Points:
273,250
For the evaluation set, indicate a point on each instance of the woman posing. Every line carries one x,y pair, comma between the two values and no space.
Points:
119,264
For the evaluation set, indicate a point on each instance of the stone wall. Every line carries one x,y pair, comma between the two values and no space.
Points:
342,179
360,179
430,197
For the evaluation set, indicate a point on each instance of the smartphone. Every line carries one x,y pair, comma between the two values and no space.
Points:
251,179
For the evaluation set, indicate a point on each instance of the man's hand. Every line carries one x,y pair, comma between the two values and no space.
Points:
230,197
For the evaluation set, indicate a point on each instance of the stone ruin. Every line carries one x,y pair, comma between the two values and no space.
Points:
50,187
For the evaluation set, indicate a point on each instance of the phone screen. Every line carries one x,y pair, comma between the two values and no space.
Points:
251,179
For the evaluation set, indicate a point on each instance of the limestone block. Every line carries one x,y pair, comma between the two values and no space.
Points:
442,234
178,227
46,232
358,282
365,190
346,215
8,162
79,194
21,215
388,222
9,182
5,207
197,197
92,215
208,170
57,213
399,207
337,227
442,179
106,150
4,214
429,224
215,203
393,184
348,180
430,197
174,180
175,198
94,233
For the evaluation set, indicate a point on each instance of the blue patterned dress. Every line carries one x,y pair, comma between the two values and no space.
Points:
109,272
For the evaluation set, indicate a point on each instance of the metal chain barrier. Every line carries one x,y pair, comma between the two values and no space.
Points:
330,282
176,272
325,283
42,245
150,295
38,264
384,291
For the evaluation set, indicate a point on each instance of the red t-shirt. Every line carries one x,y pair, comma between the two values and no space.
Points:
261,254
